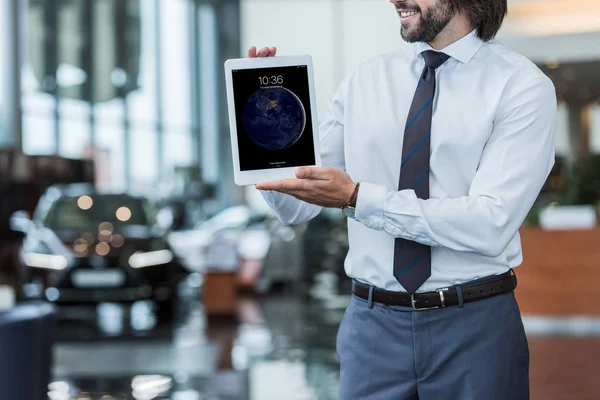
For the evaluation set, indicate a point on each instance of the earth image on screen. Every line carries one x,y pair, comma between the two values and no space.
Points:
274,118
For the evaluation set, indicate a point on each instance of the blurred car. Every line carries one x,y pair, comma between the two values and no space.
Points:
85,247
262,250
217,241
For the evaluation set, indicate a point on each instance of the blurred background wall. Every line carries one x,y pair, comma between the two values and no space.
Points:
125,82
139,83
129,95
344,33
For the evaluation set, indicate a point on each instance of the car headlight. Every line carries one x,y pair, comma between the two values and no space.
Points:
47,261
142,260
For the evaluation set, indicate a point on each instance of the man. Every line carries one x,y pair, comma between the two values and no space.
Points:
436,154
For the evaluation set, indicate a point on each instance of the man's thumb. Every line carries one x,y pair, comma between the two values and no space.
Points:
304,173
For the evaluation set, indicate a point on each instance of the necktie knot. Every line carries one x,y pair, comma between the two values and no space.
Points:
434,59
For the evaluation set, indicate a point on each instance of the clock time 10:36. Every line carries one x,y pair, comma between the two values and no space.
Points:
273,80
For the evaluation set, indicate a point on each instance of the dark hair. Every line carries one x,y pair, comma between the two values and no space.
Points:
486,15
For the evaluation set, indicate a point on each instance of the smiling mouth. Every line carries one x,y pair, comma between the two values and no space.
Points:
404,14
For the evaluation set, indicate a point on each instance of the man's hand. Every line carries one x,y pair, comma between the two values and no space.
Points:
264,52
323,186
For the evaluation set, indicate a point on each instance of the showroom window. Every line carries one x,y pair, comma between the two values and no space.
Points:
112,79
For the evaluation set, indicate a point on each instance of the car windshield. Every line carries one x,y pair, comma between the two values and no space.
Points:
81,213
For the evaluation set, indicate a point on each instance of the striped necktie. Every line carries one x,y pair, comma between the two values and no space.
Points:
412,260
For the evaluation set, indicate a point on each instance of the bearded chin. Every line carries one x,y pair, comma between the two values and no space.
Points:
426,30
405,35
415,35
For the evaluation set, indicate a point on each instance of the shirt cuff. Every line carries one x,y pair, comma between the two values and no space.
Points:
369,205
275,199
269,196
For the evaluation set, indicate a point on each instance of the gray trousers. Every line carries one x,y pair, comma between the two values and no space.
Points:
477,352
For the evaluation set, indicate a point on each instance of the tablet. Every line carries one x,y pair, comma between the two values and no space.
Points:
272,117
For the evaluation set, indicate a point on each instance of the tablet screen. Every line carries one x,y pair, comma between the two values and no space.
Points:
273,117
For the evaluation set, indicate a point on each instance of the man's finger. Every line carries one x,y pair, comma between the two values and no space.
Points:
263,52
272,51
284,184
312,173
303,173
268,185
252,52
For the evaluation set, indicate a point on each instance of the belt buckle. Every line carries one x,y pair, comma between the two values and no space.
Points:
442,301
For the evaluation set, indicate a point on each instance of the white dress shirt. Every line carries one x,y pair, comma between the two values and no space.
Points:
492,149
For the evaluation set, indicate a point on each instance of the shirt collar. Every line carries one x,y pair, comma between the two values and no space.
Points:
463,49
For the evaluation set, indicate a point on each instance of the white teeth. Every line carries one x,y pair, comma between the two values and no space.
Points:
405,14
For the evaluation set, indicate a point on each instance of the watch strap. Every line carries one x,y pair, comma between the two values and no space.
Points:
354,197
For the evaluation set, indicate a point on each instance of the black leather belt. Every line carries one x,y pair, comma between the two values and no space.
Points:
471,291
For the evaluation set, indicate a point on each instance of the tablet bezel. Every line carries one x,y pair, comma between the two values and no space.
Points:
244,178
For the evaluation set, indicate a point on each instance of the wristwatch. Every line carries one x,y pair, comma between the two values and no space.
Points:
349,209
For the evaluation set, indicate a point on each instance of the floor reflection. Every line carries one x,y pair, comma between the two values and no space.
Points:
146,387
280,346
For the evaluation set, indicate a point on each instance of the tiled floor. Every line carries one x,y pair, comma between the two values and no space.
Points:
283,347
